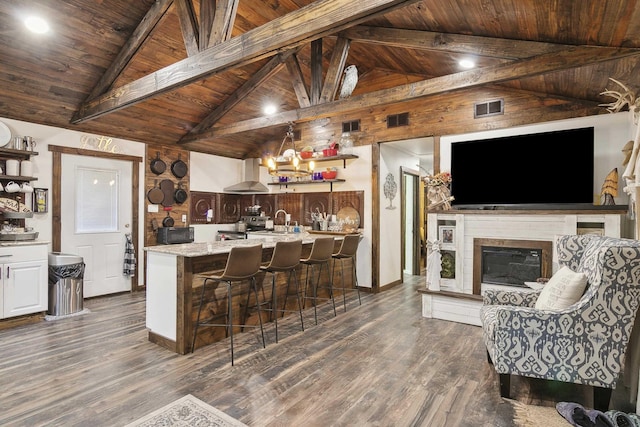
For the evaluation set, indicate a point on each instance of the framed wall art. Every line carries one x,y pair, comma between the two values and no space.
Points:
447,235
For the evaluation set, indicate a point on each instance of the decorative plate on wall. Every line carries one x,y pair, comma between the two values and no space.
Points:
5,135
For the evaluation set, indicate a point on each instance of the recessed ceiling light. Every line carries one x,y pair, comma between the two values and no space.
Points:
36,25
467,63
269,109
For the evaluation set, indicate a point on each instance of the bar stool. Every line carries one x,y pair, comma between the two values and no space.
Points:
320,255
243,263
348,250
285,258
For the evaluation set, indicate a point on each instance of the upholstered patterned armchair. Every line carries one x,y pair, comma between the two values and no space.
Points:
584,343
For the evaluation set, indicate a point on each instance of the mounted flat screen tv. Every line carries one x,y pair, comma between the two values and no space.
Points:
549,170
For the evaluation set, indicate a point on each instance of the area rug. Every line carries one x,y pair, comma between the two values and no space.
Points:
187,411
537,416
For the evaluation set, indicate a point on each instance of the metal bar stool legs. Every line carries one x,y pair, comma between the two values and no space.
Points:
321,252
275,310
348,250
317,285
243,264
285,258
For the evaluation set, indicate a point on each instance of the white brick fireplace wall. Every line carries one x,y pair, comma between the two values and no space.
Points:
507,225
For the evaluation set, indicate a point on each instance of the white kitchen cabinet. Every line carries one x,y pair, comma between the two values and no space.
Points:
24,280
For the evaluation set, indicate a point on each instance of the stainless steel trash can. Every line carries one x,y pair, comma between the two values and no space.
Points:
66,281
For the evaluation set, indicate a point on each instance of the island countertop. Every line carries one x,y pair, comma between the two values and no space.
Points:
191,250
173,286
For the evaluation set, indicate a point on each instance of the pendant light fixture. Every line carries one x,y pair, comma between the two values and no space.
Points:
289,165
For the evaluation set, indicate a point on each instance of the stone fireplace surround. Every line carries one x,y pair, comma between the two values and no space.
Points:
459,299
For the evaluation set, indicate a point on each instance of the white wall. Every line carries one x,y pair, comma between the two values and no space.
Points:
390,244
43,168
611,133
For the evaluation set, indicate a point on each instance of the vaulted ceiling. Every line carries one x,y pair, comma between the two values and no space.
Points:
197,74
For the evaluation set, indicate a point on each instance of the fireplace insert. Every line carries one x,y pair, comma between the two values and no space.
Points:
510,266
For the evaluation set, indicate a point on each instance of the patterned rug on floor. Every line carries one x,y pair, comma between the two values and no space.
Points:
537,416
187,411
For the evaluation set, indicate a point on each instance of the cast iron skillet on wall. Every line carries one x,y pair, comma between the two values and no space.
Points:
155,195
158,166
168,221
180,195
179,168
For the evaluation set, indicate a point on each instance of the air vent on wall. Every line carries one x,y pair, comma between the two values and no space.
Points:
396,120
352,126
488,108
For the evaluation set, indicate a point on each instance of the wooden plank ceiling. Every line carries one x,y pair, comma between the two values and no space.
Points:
197,74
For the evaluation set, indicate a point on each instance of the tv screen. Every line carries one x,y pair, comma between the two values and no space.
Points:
534,170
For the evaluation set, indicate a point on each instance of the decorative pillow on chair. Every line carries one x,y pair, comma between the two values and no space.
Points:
563,289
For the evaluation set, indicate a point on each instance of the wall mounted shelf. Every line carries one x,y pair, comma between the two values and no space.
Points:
343,157
323,181
10,153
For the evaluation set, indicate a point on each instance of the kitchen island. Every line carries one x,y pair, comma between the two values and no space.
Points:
173,287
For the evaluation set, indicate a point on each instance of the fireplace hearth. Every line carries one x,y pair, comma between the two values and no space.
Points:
509,262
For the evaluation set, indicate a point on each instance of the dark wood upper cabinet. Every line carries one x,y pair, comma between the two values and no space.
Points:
246,200
315,202
230,208
267,203
200,204
350,199
292,204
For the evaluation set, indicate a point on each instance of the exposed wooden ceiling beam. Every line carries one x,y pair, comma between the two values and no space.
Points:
223,21
140,34
272,67
301,26
335,70
316,71
188,26
573,57
207,13
297,81
458,43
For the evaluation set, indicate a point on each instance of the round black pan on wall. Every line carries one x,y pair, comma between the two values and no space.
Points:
158,166
179,168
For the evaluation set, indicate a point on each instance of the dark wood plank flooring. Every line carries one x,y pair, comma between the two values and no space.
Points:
379,364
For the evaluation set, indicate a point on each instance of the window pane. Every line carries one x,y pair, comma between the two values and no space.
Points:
96,200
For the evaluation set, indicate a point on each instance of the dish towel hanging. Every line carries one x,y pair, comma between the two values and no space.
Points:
129,268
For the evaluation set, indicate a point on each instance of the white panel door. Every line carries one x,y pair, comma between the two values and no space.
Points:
96,215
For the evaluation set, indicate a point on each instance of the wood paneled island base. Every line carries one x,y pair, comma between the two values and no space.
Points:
173,289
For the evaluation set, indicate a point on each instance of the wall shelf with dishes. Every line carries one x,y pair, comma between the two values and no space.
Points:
16,192
285,184
343,157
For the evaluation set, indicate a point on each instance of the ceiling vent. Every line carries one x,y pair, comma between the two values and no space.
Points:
488,108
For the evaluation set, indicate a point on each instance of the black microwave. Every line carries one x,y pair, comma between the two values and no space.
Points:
173,235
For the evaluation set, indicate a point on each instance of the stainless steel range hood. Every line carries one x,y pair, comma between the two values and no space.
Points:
251,183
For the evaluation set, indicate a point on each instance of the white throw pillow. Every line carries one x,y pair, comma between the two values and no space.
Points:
563,289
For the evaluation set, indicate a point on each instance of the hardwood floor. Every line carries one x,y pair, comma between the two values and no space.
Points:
379,364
